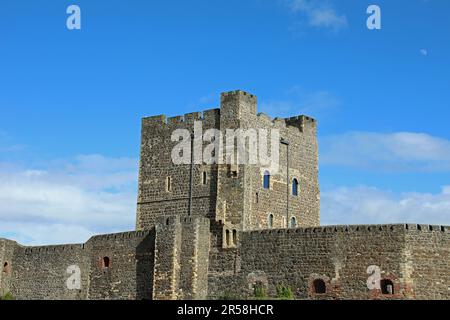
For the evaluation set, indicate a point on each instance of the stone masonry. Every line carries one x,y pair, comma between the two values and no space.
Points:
221,230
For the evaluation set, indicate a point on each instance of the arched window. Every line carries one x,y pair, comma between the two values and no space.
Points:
266,181
270,221
319,286
106,262
227,237
234,237
293,222
387,286
204,177
295,187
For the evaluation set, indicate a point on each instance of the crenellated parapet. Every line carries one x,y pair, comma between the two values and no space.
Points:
353,229
162,122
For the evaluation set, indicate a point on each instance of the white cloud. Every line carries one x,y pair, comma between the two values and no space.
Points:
298,101
369,205
424,52
45,233
71,199
400,151
318,13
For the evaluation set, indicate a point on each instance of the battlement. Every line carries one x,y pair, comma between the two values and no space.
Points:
235,104
238,93
120,236
212,115
357,228
68,247
162,121
299,122
52,248
4,240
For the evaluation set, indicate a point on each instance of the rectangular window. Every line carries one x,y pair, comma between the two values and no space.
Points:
168,184
233,170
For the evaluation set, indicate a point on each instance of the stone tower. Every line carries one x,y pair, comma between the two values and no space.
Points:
235,196
230,194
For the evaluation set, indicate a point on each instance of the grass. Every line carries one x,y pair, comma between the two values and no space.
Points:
7,296
260,292
284,293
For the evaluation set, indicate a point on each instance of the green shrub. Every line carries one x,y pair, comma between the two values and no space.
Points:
284,293
259,291
7,296
228,295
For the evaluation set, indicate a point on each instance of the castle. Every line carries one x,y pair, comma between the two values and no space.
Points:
210,231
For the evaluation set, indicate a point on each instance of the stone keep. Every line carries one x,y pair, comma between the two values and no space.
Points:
210,231
230,195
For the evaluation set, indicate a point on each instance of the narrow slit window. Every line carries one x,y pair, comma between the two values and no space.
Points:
169,184
266,180
270,221
295,187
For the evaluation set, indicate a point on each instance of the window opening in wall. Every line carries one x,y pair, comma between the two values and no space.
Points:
204,178
227,237
270,221
233,170
106,262
234,237
319,286
387,286
169,184
293,222
266,180
295,187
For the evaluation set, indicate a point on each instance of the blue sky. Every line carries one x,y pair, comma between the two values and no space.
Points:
71,101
